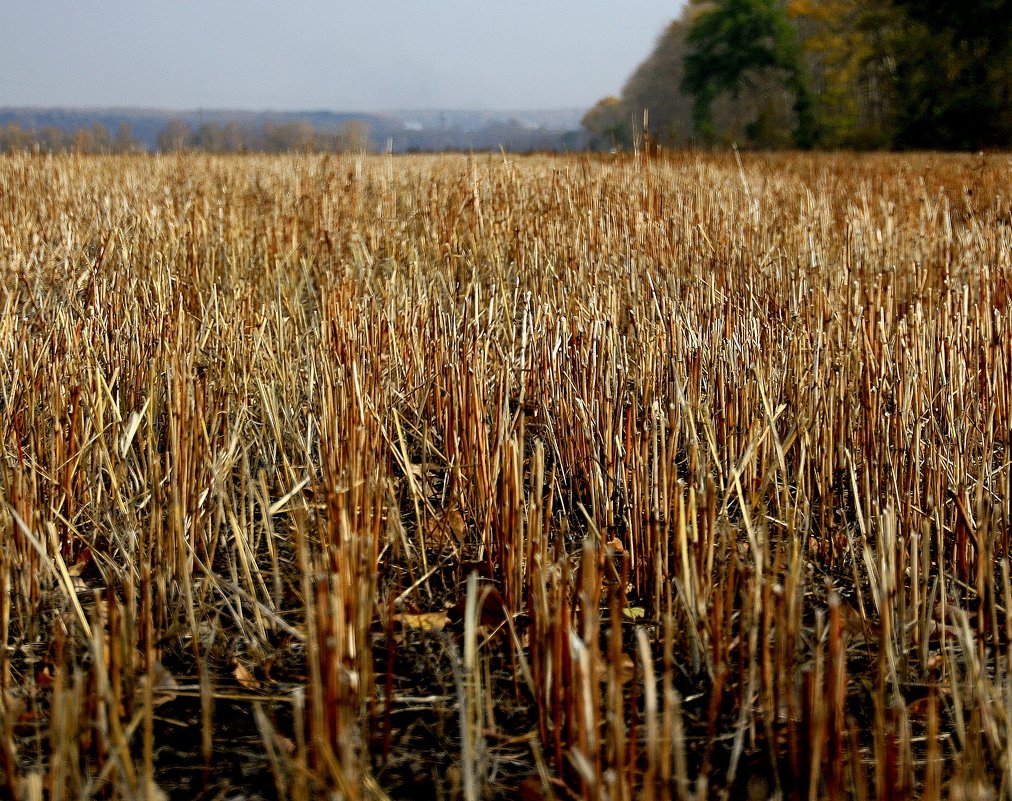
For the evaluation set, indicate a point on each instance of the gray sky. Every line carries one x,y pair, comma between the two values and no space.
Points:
311,54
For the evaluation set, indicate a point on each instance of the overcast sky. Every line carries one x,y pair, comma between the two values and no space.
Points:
350,55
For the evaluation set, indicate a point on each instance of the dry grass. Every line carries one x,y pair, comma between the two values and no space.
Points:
472,477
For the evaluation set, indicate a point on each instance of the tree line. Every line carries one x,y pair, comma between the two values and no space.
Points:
821,73
178,135
95,138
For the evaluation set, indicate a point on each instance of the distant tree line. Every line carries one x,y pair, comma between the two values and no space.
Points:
177,135
272,137
821,73
95,138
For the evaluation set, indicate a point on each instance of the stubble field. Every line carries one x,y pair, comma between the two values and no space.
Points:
496,477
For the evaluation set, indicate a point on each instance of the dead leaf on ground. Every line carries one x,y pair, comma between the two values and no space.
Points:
81,563
245,677
423,480
423,621
634,612
447,526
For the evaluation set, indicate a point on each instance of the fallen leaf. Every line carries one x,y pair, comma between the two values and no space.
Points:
448,523
454,521
493,613
634,613
423,621
82,562
244,677
422,480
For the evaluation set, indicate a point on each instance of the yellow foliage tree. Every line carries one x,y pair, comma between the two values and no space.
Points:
843,45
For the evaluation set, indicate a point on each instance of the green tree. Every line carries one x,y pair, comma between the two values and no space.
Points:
953,75
847,57
734,43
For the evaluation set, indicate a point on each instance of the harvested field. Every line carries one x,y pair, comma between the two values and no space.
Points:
495,477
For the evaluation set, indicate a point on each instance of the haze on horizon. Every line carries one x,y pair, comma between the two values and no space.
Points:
314,54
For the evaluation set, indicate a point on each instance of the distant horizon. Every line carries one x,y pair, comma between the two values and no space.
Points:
249,110
60,128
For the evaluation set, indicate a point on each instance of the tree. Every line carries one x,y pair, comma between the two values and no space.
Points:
124,141
175,136
101,138
214,138
13,138
656,87
83,141
235,137
844,45
94,139
954,74
608,124
353,137
285,137
734,44
209,137
50,139
837,73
